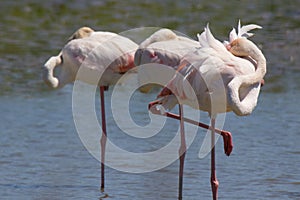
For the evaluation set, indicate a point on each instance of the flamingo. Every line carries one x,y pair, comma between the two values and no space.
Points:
167,48
163,47
223,78
108,51
79,46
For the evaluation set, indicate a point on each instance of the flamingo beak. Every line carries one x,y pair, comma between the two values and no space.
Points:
262,82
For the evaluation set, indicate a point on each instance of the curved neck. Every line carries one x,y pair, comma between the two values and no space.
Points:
48,69
250,81
260,71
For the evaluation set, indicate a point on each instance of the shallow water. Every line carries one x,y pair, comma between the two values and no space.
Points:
42,157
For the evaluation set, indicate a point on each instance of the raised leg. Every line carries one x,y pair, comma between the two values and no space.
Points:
227,138
103,137
181,152
213,178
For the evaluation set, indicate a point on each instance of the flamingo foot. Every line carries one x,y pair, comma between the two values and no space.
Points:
154,109
228,144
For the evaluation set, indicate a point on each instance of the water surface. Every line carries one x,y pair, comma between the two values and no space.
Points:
41,155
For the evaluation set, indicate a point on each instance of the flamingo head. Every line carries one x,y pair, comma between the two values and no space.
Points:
241,32
81,33
241,47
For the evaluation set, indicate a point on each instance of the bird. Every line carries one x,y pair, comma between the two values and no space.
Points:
164,47
97,52
216,78
82,44
167,49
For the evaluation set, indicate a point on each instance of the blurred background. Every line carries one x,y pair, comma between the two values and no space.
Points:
41,156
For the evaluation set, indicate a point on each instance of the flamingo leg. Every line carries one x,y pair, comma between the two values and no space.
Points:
104,135
227,138
213,178
181,152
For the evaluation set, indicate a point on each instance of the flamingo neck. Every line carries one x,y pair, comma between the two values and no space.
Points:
51,80
246,106
260,71
48,72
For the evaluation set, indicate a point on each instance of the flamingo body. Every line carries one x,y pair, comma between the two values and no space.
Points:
162,47
105,51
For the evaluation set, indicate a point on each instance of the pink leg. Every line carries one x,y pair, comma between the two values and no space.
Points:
181,152
213,179
227,138
103,137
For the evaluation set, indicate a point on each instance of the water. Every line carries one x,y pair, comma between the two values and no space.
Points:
42,157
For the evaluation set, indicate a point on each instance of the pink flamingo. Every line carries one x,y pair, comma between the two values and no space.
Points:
167,48
110,52
223,78
163,47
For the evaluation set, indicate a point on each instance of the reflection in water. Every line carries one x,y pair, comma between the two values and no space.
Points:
41,156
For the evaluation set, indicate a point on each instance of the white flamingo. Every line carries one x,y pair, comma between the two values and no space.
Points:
105,45
162,47
99,51
222,79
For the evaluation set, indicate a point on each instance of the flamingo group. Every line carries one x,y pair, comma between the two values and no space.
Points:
210,76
